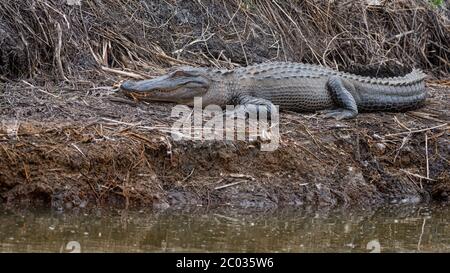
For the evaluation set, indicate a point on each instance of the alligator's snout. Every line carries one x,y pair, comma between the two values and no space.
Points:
179,86
133,86
143,86
150,85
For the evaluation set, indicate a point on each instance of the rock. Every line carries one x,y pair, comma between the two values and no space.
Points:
380,148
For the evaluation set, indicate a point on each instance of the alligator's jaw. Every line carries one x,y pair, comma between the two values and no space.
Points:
168,88
160,83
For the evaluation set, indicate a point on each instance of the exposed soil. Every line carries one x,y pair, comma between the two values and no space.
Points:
86,146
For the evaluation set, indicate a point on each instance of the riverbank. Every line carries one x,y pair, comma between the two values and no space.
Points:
88,146
68,140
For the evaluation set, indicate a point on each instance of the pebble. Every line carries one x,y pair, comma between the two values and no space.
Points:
380,147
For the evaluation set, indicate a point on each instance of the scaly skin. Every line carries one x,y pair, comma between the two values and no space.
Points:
292,86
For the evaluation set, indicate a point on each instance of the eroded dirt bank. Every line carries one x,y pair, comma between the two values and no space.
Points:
65,148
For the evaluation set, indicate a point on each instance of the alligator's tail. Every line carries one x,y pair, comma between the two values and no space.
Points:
390,94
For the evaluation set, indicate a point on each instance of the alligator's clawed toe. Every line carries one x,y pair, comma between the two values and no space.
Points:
327,111
338,114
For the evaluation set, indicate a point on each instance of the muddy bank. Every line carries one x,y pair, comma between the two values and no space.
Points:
68,140
84,146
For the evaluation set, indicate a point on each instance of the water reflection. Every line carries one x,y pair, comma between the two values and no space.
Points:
389,229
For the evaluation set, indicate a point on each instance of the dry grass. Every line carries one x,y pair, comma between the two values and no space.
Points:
59,41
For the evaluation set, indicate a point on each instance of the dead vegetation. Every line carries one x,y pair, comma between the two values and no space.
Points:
51,38
67,139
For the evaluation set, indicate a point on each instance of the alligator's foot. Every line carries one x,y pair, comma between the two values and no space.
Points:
250,107
248,112
338,114
343,98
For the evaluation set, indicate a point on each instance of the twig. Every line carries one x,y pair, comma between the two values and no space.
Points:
417,131
26,170
400,35
121,122
229,185
404,141
401,124
421,234
58,52
417,175
39,89
238,175
123,73
308,151
426,154
5,79
78,149
189,175
427,116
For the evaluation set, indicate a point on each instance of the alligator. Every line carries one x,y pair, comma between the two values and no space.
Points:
295,87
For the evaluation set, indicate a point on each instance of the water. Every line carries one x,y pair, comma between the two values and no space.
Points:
389,229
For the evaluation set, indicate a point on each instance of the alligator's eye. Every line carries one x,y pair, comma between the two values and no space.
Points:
180,73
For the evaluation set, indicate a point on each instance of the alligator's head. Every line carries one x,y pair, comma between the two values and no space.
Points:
179,86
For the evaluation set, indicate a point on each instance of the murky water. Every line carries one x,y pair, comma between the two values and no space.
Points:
389,229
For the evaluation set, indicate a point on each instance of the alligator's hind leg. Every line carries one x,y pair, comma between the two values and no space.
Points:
347,107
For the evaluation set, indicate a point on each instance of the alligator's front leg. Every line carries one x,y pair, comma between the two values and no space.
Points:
248,106
339,90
